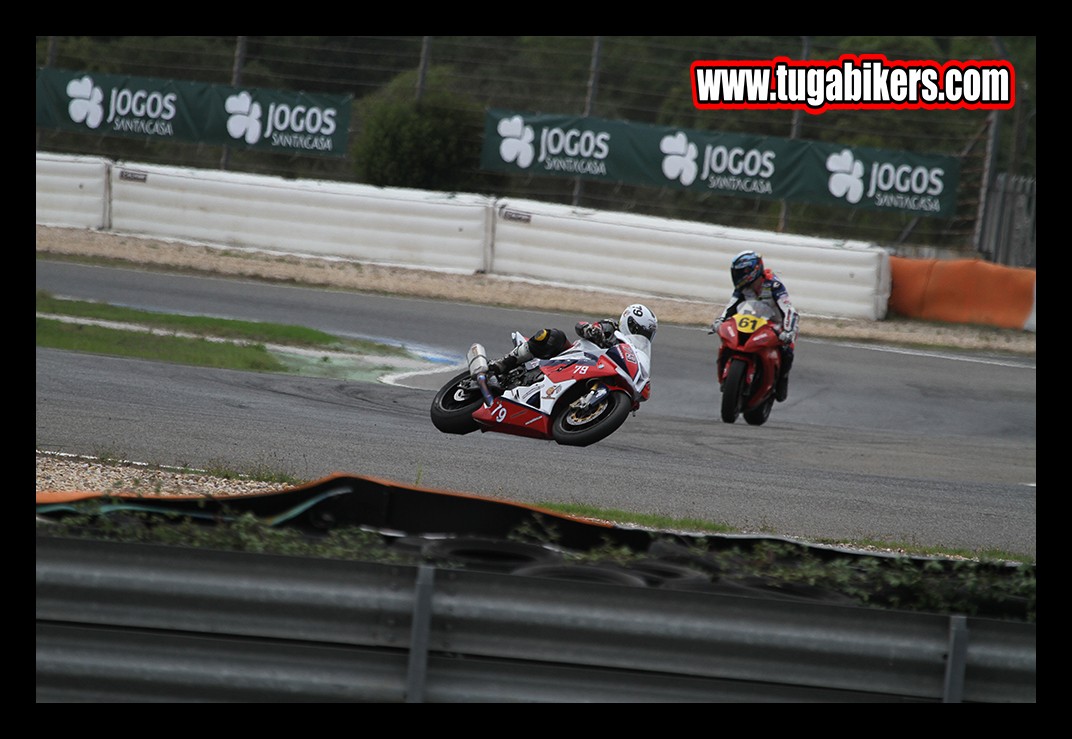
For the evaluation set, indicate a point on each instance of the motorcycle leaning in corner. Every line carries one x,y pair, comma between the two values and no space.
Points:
576,398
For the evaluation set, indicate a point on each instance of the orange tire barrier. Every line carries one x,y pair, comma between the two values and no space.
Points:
963,291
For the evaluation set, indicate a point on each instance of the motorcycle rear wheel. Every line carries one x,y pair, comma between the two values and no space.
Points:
733,391
581,427
453,406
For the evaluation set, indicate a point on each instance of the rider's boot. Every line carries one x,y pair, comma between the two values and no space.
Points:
781,390
519,355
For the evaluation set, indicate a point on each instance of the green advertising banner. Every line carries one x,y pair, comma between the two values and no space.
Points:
142,107
721,163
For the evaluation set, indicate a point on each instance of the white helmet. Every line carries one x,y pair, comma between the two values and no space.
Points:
638,320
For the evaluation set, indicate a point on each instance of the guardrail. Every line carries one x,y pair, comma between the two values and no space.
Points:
134,622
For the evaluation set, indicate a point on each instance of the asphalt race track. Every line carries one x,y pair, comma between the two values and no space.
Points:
932,448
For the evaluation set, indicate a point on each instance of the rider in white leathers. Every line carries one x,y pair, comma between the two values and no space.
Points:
636,326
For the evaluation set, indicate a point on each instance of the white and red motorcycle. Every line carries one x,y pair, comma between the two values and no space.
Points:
576,398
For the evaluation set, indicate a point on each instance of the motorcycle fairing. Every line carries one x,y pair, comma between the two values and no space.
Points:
580,362
628,363
565,366
545,392
512,417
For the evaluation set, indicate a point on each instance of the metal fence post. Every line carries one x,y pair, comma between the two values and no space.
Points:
418,648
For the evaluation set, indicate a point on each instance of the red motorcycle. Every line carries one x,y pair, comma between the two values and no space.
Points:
576,398
749,363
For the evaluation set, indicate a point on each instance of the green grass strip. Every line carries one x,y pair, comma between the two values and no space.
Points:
143,345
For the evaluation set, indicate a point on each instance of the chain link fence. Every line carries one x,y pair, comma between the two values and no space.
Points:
642,79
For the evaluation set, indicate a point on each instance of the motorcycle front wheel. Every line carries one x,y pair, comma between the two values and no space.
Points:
583,426
453,406
733,391
759,415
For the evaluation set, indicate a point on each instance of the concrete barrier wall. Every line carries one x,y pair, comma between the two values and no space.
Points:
406,227
468,233
73,191
684,259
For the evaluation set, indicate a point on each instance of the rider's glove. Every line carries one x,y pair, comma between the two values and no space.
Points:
786,337
593,332
714,326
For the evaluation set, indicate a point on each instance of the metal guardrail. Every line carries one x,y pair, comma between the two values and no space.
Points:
130,622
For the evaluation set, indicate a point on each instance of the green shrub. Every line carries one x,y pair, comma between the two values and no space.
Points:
431,143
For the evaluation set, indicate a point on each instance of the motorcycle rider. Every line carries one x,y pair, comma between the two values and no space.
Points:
636,326
753,282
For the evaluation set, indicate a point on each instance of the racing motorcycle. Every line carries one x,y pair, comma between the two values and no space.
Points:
576,398
749,363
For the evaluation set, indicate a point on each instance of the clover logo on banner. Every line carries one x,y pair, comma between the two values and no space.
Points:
680,160
245,117
846,176
516,145
86,102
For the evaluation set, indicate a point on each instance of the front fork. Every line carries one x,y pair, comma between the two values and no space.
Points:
723,360
597,391
749,378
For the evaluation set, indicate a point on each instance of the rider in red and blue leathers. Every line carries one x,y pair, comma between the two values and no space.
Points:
752,282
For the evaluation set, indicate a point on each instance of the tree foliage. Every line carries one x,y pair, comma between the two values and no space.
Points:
428,140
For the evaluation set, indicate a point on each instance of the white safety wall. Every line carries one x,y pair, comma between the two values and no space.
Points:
683,259
455,232
406,227
72,191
